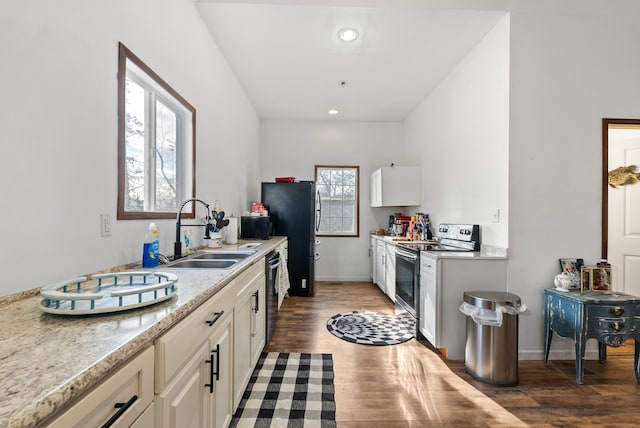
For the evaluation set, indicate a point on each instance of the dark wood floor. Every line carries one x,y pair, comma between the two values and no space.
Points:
408,385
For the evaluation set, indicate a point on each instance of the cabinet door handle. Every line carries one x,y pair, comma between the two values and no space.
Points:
616,326
217,352
256,308
617,311
122,407
254,317
216,317
213,372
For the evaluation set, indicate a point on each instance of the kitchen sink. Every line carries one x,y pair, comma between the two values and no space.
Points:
224,255
200,264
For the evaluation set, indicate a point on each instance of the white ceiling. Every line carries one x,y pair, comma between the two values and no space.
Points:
290,61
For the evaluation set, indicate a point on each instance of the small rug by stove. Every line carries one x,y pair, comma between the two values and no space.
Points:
372,328
289,391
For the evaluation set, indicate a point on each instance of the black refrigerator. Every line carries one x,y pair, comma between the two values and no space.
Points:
292,208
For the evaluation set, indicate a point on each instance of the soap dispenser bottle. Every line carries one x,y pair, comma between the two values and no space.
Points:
151,248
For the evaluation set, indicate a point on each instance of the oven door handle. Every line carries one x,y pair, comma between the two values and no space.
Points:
406,255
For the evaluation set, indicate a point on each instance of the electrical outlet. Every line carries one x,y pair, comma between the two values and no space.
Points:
304,283
496,216
105,225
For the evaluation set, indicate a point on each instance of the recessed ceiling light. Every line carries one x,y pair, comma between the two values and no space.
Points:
333,112
348,34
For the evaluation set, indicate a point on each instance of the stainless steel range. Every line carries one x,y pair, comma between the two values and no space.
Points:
449,237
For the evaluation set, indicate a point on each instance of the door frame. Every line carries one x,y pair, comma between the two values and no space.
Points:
606,123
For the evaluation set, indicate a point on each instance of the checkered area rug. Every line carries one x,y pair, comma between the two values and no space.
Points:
372,328
289,391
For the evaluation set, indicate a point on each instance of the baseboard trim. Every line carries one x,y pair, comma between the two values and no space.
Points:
565,354
342,279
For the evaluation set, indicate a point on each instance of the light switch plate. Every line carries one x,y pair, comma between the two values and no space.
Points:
105,225
496,216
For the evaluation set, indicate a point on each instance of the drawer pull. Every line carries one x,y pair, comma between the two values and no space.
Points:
616,326
617,311
216,317
122,407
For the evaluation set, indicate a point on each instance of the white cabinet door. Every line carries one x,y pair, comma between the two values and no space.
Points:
390,271
396,186
194,366
186,402
428,300
373,251
249,327
241,347
376,188
222,363
381,254
259,319
200,396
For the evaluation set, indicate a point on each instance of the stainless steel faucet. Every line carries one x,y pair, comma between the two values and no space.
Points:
177,246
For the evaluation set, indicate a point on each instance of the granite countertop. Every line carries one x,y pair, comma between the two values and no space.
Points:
48,360
486,251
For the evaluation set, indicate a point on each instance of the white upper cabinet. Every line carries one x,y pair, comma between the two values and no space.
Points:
396,186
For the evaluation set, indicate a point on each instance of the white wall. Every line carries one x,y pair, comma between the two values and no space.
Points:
568,71
461,134
59,129
293,148
570,65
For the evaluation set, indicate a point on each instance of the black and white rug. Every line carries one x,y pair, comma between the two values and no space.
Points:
289,391
372,328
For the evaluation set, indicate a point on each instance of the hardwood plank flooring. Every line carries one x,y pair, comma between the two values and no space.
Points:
410,385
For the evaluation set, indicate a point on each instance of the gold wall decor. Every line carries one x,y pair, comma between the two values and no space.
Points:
623,175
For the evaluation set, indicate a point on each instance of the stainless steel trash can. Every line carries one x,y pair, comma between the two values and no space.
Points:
491,352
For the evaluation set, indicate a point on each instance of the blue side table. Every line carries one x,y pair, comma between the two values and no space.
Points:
610,318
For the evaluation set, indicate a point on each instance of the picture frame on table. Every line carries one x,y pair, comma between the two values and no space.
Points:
596,279
586,276
601,279
572,267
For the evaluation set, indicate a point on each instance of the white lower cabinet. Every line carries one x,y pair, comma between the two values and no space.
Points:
249,333
221,379
373,250
194,367
185,403
119,401
428,298
443,281
201,395
390,271
381,254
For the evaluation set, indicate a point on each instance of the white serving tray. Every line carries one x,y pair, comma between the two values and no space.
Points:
108,292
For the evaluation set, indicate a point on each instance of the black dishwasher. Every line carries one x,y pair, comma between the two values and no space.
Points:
272,261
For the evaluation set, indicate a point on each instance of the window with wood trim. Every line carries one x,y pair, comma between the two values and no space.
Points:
156,143
338,190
